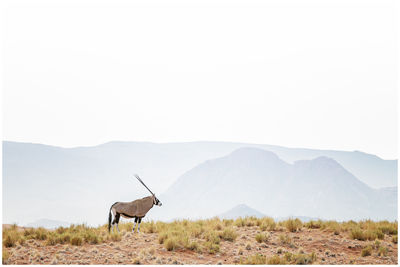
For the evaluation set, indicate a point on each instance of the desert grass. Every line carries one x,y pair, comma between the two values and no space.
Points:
205,236
366,251
293,225
288,258
262,237
75,235
5,256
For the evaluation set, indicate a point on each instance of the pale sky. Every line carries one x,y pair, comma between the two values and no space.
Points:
314,74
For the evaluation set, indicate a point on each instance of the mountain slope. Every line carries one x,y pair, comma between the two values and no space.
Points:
79,184
314,188
48,224
241,210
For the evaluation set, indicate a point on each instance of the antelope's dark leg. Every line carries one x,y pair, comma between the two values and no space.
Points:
138,228
134,226
117,219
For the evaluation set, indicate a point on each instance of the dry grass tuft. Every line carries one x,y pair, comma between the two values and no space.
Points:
260,238
285,239
5,256
382,251
366,251
293,225
254,259
228,234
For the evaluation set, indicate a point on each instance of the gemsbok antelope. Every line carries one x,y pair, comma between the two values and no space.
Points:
135,209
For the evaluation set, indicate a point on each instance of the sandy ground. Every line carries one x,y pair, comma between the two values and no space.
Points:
144,248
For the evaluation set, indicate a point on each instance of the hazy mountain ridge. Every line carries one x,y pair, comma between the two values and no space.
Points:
84,181
241,210
48,224
313,188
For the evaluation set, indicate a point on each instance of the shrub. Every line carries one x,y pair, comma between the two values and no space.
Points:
240,222
267,223
194,246
250,221
275,260
29,233
61,230
170,244
366,251
162,237
115,237
248,246
300,259
333,226
255,259
388,228
303,259
285,239
65,238
377,244
91,237
262,238
292,225
218,226
227,222
51,240
213,237
288,256
369,234
358,234
5,256
383,251
212,247
150,227
10,239
76,240
40,233
228,234
314,224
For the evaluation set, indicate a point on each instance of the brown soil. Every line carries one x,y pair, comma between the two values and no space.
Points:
144,248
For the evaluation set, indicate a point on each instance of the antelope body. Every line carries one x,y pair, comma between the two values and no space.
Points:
135,209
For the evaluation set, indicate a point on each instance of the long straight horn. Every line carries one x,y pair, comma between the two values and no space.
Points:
140,180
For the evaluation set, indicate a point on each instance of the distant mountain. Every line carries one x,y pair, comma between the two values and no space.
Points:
319,188
241,210
49,224
79,184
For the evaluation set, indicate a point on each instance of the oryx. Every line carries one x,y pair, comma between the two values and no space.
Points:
136,209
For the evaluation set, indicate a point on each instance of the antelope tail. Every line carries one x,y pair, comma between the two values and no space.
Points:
109,220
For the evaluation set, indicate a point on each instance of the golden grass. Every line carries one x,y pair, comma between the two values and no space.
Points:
288,258
285,239
228,234
256,259
300,259
262,237
74,235
5,256
205,236
293,225
369,234
382,251
366,251
267,223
